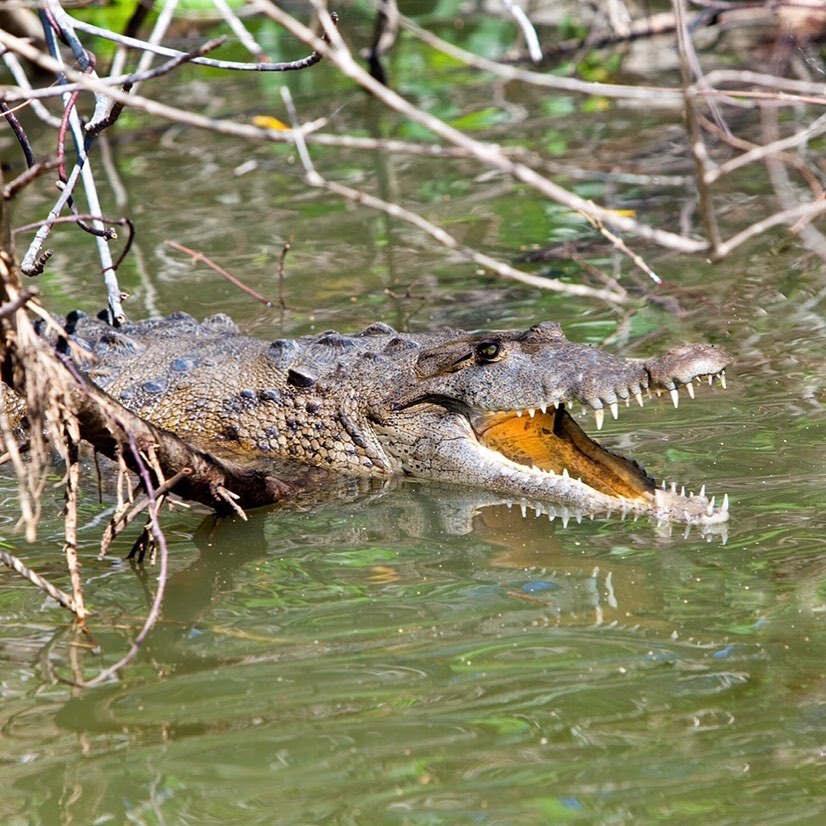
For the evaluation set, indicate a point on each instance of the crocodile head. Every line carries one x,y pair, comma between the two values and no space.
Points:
498,404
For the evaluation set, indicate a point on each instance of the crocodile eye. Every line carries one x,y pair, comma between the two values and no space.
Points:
488,350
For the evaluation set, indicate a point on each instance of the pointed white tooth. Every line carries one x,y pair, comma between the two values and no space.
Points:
682,491
519,413
599,415
566,518
703,490
673,487
659,392
531,411
723,379
690,389
675,396
543,407
663,484
614,410
638,397
524,508
584,411
565,474
710,508
571,404
710,379
724,506
578,517
687,527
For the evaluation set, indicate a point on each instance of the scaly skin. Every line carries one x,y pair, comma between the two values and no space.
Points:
486,411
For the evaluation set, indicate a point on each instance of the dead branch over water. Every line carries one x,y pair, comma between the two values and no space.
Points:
63,408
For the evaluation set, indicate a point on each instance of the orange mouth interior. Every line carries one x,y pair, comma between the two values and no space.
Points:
553,441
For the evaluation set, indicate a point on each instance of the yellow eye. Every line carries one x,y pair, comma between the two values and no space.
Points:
488,350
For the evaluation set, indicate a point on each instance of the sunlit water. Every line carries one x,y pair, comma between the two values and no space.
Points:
404,657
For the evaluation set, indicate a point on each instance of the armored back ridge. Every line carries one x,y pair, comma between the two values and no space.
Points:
478,410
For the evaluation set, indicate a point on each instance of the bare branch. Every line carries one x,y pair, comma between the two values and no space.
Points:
205,259
55,593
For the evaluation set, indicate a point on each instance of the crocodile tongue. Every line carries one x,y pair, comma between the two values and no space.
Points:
553,441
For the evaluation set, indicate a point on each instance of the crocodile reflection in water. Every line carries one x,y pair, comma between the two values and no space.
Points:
483,411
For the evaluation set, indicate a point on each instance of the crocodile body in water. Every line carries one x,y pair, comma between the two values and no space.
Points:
487,411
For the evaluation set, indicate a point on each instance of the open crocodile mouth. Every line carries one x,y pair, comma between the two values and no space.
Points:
552,441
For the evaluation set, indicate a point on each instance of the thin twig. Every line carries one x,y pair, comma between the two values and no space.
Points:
19,183
313,178
123,517
698,148
205,259
240,30
19,75
134,43
20,134
282,301
527,29
71,438
55,593
15,304
155,610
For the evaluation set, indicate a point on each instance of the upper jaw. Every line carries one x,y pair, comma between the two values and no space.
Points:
680,368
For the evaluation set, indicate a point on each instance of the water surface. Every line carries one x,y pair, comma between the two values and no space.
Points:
401,657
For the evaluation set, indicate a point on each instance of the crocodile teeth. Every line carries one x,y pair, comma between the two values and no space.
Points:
710,379
614,410
710,508
531,411
543,407
638,397
724,506
703,490
723,379
519,414
675,396
690,389
565,473
599,415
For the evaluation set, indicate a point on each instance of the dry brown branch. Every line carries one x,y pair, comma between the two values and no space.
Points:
124,514
61,597
690,66
205,259
71,437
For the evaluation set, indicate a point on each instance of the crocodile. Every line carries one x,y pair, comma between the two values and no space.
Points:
487,411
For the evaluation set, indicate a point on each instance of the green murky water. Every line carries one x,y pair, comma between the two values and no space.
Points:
396,658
